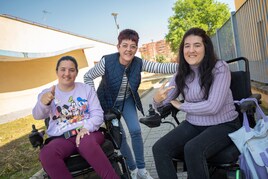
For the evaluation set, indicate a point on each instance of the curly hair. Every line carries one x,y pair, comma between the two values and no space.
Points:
205,68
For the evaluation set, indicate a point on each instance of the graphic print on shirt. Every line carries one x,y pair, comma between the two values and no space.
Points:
72,112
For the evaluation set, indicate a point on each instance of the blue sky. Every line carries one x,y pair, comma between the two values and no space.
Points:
93,19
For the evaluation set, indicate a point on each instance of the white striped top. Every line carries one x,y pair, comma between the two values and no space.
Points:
148,66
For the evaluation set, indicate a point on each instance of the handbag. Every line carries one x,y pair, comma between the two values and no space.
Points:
253,144
112,121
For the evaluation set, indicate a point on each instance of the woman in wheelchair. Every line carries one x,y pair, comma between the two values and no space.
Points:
203,82
75,117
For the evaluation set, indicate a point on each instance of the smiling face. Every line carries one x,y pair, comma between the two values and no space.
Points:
127,50
66,73
193,50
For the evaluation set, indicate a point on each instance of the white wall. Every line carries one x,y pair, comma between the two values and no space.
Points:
27,37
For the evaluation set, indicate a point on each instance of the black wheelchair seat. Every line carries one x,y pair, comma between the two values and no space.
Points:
76,162
227,156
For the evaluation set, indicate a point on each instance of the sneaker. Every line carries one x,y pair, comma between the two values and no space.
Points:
133,174
182,175
144,175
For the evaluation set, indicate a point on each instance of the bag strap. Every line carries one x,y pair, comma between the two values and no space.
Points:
124,97
259,112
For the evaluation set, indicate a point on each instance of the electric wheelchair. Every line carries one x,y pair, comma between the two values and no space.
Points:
224,164
76,164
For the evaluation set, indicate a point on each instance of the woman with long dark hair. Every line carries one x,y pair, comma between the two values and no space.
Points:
203,82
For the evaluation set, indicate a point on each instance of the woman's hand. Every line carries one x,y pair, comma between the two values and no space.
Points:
161,93
48,96
80,135
176,103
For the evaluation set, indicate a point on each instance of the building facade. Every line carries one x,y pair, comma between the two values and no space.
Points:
28,56
154,50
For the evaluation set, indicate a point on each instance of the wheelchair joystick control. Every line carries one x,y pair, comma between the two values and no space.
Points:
151,110
151,120
34,129
36,138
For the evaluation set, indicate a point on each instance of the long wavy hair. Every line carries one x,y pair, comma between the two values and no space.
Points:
205,68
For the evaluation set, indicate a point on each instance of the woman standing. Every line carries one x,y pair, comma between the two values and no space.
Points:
121,77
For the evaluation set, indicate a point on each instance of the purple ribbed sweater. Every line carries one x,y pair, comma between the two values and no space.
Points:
218,108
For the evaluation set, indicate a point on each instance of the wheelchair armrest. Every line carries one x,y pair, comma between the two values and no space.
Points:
154,119
249,105
256,96
151,121
112,133
165,110
36,137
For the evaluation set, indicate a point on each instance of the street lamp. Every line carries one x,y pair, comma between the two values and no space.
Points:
153,48
117,25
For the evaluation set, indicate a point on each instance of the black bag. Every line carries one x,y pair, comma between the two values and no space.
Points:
112,120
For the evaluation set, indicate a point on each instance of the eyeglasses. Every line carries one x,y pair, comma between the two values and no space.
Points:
131,47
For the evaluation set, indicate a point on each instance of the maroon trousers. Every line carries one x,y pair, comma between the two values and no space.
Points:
53,154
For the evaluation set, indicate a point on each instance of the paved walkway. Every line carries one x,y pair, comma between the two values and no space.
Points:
150,136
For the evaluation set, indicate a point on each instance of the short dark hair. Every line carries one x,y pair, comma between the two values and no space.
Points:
66,58
128,34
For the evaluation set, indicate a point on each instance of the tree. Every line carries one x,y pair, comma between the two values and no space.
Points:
160,58
206,14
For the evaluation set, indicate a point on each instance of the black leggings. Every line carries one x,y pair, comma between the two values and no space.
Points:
193,144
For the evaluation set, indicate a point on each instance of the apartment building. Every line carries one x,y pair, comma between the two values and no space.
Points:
154,50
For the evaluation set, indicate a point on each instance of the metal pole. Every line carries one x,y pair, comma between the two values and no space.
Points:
116,24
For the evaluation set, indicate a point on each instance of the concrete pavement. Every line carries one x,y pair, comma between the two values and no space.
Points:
151,135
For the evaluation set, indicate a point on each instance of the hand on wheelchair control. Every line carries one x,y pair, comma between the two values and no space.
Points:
48,96
80,135
162,92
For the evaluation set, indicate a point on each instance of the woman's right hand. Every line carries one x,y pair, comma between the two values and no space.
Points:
162,92
48,96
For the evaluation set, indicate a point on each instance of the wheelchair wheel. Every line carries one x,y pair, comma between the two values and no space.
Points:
235,174
228,174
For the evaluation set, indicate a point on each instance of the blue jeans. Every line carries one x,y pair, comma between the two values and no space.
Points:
194,145
131,118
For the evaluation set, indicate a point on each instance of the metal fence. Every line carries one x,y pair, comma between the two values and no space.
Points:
246,34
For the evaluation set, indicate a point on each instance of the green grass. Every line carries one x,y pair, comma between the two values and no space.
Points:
18,158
